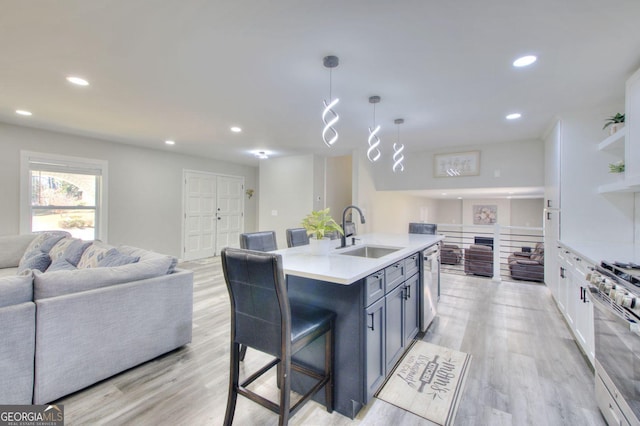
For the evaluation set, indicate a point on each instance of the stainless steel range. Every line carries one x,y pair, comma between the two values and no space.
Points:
614,290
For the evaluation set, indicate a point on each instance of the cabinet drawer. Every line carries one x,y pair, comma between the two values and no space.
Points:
373,287
412,264
393,275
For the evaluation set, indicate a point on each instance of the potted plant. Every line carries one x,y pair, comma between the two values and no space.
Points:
615,123
318,225
617,167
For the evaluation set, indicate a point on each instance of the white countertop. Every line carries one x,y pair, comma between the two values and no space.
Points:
343,269
595,252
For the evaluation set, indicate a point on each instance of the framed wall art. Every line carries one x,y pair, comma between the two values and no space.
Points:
485,214
456,164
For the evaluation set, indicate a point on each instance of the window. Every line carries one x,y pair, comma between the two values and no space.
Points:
63,193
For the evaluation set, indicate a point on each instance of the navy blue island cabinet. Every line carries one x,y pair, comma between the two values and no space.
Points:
377,318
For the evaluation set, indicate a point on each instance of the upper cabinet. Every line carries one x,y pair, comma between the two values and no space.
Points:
625,143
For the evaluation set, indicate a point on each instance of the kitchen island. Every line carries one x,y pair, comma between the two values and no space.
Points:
377,302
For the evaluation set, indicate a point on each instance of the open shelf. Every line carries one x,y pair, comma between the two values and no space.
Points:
614,141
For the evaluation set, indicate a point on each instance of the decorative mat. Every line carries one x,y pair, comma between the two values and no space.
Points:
428,381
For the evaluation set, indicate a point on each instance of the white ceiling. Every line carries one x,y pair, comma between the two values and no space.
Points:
188,70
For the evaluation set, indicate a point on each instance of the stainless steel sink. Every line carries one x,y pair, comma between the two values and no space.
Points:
370,251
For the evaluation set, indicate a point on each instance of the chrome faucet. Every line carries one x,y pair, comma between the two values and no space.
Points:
343,238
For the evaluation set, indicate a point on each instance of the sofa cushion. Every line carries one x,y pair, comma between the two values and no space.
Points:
16,289
94,254
115,258
56,283
146,255
45,241
36,260
12,248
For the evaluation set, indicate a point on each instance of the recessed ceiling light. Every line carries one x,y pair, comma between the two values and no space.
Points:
444,193
524,61
513,116
23,112
170,142
263,155
77,81
459,198
236,129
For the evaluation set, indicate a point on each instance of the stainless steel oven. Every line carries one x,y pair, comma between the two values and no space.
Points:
617,344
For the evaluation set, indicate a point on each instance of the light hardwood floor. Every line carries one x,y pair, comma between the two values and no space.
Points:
526,368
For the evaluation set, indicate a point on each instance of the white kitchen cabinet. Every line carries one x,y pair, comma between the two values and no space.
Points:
573,299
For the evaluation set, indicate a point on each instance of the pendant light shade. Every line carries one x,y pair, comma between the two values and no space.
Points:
373,152
329,116
398,157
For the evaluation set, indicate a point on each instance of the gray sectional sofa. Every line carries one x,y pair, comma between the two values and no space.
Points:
65,328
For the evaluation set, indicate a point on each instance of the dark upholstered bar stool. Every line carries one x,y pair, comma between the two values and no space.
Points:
297,237
260,241
423,228
263,318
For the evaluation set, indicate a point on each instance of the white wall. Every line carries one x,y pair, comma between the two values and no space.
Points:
393,210
586,215
527,212
144,188
287,190
338,184
520,164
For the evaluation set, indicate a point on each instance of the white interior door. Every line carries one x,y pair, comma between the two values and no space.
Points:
230,211
200,215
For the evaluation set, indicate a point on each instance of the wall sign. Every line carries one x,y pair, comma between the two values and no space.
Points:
456,164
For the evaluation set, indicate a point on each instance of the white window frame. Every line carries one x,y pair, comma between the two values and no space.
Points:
70,164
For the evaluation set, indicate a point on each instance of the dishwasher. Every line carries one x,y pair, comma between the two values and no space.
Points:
430,285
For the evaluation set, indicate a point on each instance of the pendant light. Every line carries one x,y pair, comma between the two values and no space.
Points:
398,158
373,153
329,133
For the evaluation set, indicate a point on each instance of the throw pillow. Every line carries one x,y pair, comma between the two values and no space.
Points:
93,255
115,258
57,251
74,252
35,260
46,240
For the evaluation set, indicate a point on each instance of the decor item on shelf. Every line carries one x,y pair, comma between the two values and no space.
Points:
615,123
330,62
373,153
319,224
249,193
617,167
398,158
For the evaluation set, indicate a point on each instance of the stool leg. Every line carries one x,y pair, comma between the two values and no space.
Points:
328,368
234,376
243,352
284,379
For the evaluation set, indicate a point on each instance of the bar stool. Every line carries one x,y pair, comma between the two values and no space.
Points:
263,318
297,237
422,228
260,241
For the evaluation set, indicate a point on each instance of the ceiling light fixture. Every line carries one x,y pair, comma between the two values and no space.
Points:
78,81
398,158
23,112
513,116
524,61
373,153
330,62
262,155
236,129
170,142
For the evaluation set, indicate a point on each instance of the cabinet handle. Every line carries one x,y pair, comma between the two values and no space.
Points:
582,293
562,272
548,203
548,215
372,321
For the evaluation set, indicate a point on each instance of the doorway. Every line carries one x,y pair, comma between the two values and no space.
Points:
213,213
